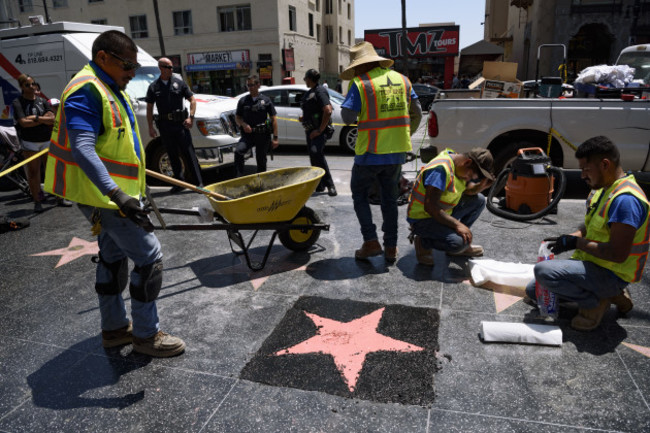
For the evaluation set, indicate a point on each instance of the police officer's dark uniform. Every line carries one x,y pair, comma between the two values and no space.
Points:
254,111
169,100
312,105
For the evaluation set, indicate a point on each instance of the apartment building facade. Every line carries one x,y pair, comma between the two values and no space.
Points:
216,44
594,32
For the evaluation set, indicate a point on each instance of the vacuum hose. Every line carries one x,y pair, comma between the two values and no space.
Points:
500,183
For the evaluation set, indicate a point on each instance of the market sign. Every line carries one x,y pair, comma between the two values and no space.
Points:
287,58
218,60
420,41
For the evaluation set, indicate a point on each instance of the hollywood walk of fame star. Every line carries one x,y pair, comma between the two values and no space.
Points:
504,296
76,248
276,264
643,350
348,343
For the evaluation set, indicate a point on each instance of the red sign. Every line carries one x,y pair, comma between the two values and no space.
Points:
287,57
420,41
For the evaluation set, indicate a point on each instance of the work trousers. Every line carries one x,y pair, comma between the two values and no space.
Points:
120,237
440,237
261,143
582,282
363,177
178,143
316,149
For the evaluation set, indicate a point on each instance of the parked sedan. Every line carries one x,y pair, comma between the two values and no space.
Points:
426,94
286,99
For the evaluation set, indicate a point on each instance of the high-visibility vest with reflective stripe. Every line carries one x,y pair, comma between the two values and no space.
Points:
115,148
384,124
596,222
454,187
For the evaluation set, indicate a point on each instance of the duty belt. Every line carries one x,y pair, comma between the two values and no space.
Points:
175,116
261,129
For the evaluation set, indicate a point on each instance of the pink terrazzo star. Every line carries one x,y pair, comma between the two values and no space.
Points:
277,263
76,248
349,343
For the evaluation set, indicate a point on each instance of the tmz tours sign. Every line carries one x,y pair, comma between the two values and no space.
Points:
420,41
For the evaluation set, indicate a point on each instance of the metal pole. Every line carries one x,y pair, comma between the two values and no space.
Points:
405,70
159,28
47,15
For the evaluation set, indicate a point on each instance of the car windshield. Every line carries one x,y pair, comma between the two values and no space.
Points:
137,88
640,61
336,96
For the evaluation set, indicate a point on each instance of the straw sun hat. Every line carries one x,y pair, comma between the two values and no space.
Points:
360,54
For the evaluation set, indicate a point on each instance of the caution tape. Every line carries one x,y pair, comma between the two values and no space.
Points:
9,170
298,121
553,132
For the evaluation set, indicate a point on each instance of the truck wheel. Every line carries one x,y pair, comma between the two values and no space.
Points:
508,153
301,240
348,138
159,161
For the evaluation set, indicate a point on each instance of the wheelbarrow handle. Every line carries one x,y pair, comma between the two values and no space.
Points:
194,188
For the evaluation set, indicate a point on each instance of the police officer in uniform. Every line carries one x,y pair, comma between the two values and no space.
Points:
253,113
316,116
168,92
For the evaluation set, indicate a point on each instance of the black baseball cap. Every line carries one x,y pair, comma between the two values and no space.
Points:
483,160
313,75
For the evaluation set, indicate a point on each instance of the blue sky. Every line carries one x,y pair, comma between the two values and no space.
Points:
381,14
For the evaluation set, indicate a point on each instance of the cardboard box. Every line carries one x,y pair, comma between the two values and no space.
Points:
499,80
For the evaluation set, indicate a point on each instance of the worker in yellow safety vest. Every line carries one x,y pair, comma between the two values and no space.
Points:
388,114
97,159
611,247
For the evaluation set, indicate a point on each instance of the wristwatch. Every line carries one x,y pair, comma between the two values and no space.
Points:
275,137
192,116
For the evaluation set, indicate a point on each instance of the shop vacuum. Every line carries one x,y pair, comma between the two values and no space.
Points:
529,187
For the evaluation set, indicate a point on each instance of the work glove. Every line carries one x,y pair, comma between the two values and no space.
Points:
562,243
130,208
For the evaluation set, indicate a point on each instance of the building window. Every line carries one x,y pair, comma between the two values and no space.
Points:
25,5
317,32
235,18
340,35
59,4
138,26
329,34
311,24
101,21
349,37
329,7
349,11
95,1
182,23
317,5
340,7
292,19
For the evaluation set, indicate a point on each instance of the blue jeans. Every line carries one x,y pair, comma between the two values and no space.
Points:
584,283
120,238
440,237
363,177
316,149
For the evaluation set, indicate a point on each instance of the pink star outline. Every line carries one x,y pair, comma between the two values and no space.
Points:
275,264
349,343
76,248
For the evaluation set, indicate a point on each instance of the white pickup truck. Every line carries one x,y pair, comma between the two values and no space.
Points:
53,53
506,125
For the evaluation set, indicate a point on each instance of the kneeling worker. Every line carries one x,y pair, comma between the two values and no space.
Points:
446,200
611,246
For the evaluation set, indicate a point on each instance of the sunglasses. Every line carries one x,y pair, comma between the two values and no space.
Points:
252,85
165,66
126,65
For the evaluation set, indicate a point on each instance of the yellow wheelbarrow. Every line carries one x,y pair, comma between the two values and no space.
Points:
273,200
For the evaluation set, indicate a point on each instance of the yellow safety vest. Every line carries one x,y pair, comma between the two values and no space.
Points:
115,148
384,124
454,187
596,222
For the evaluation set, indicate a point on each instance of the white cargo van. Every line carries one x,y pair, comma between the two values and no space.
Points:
637,57
53,53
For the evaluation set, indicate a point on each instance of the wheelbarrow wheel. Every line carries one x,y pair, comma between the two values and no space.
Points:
301,240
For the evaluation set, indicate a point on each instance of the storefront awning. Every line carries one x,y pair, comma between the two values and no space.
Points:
217,66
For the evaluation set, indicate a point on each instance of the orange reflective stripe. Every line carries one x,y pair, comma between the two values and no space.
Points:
624,185
390,122
373,109
115,112
115,168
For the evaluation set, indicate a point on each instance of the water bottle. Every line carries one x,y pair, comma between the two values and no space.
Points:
546,300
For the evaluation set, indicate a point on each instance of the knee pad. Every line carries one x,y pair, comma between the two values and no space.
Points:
119,276
150,282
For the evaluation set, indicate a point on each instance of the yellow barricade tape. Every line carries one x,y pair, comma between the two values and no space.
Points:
9,170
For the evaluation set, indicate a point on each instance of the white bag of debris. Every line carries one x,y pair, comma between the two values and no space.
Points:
529,333
618,76
505,273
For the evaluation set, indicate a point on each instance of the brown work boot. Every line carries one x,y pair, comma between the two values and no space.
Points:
117,337
390,254
368,249
589,319
424,256
470,251
623,302
159,345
